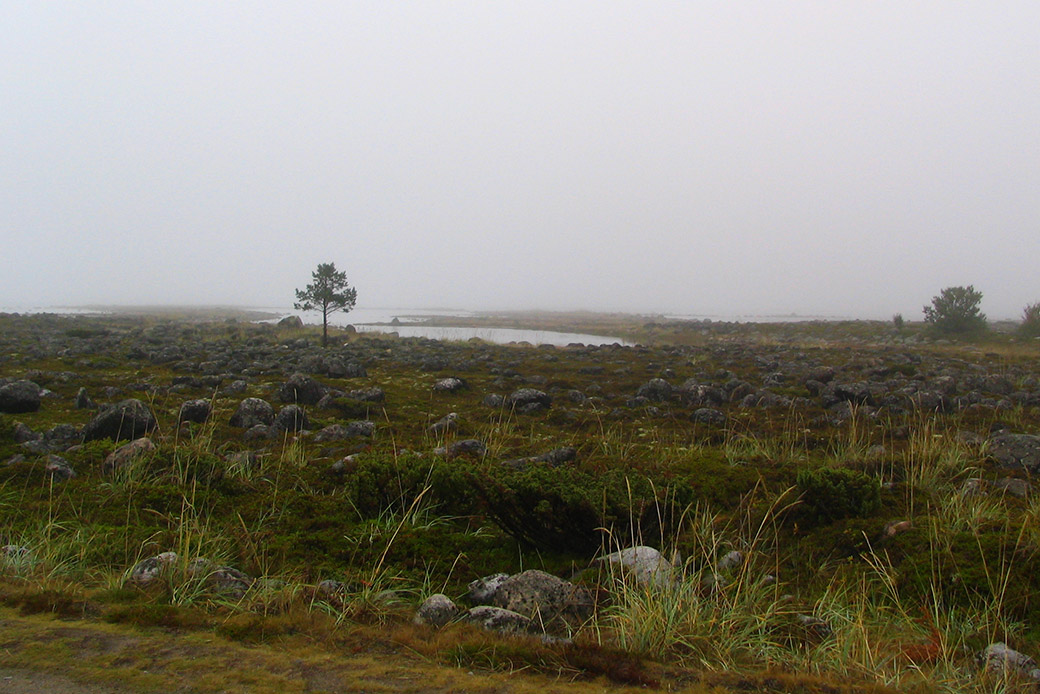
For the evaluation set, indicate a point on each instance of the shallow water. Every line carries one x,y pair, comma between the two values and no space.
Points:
363,320
497,335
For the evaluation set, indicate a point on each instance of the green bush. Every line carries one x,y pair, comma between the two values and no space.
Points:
956,312
570,510
830,494
381,483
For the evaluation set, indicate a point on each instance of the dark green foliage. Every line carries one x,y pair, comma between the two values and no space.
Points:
956,312
393,483
351,408
830,494
566,509
328,293
1030,326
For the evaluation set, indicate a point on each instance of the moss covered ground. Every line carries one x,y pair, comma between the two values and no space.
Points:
807,490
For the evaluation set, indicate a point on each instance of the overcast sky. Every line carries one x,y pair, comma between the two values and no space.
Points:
835,157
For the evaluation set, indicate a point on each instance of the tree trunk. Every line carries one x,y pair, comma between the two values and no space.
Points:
325,328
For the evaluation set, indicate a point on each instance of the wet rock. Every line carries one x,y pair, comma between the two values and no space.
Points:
83,401
473,448
452,384
225,580
15,557
707,415
229,582
548,601
815,629
997,657
655,390
445,424
252,411
973,486
644,565
553,458
482,591
528,400
337,368
729,561
58,468
695,394
373,394
859,393
261,432
301,390
196,411
331,588
1017,451
243,461
893,528
493,401
291,418
125,454
736,390
498,620
340,432
436,611
19,397
23,434
147,571
1013,486
127,419
291,322
60,437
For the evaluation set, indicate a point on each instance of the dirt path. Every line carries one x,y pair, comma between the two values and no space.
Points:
30,682
40,653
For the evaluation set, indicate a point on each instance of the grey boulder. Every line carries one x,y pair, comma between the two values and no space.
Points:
126,420
301,390
1018,451
436,611
552,603
19,397
252,411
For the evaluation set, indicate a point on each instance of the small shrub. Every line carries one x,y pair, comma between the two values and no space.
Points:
1030,321
956,312
351,408
830,494
382,483
566,509
898,322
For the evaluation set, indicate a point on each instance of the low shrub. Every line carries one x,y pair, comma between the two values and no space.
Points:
566,509
830,494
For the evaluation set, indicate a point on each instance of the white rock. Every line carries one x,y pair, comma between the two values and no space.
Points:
644,564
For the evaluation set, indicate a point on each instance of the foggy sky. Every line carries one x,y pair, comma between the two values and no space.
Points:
831,157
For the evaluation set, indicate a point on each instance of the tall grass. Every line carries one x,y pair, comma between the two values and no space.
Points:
706,616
